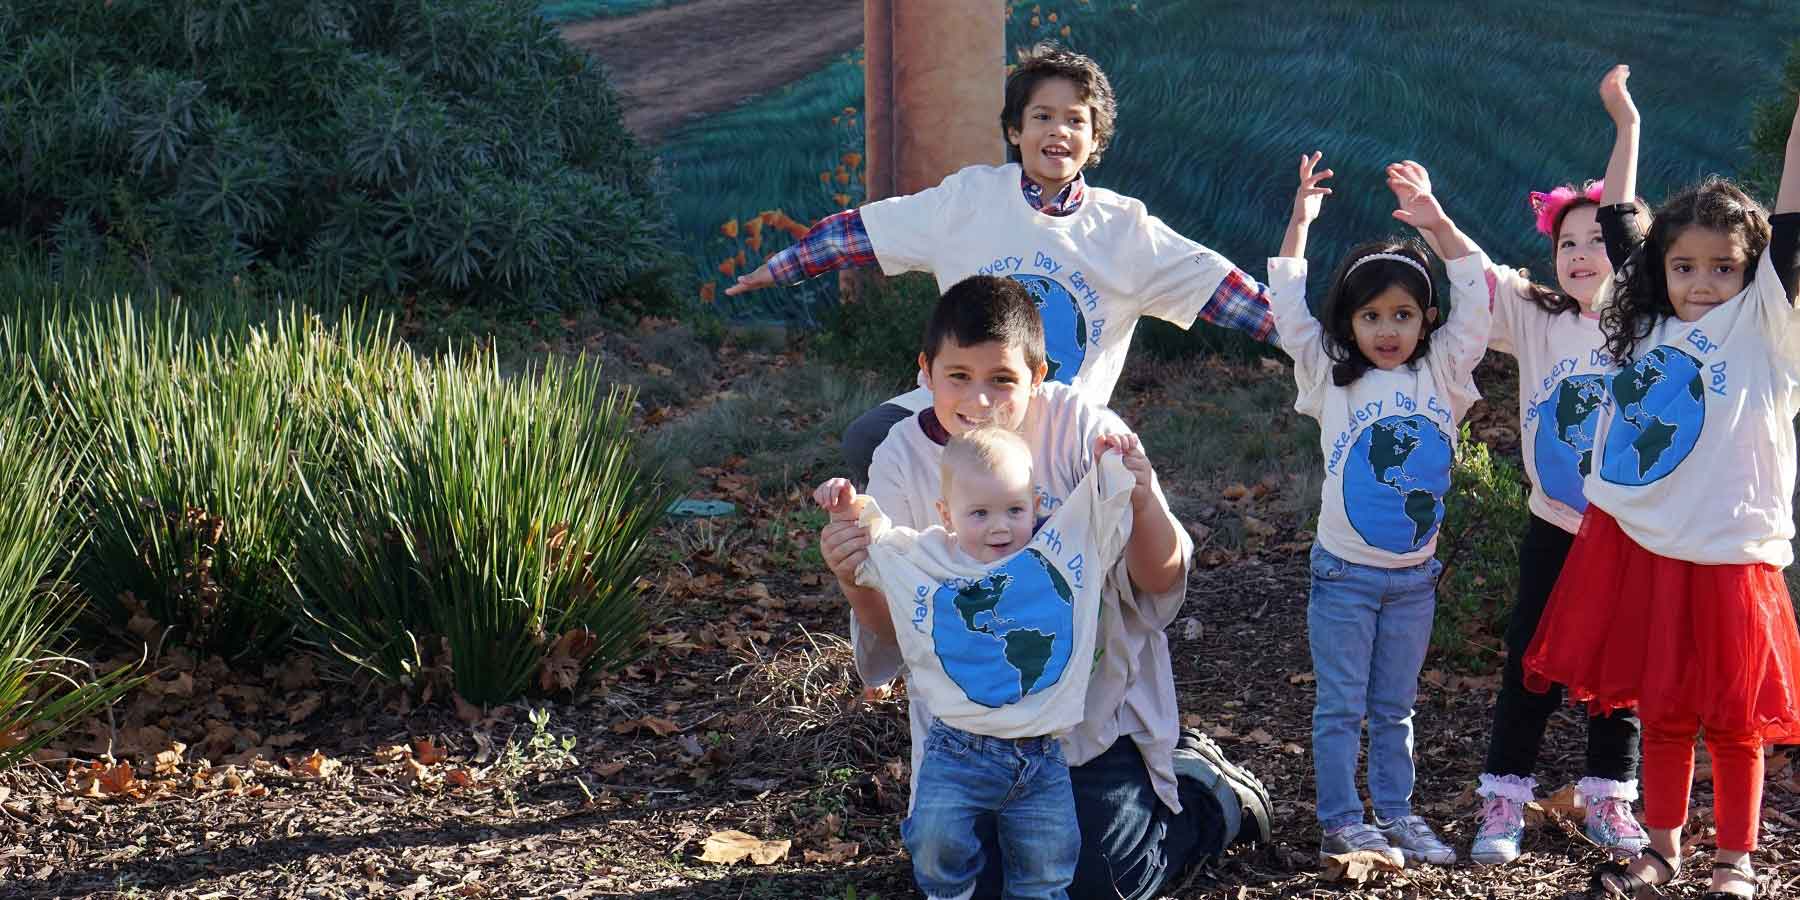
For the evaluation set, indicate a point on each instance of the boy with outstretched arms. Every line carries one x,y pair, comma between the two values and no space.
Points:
1094,261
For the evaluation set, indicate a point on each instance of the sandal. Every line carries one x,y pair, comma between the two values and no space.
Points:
1741,867
1611,881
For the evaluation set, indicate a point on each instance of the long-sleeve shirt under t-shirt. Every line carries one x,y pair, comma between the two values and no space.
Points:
1095,260
1694,452
1389,437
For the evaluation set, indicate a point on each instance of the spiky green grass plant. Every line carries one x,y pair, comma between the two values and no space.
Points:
42,691
485,534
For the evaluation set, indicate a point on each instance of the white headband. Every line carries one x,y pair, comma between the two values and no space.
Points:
1396,258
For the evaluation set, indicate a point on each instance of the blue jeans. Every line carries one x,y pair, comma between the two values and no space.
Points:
1023,783
1368,628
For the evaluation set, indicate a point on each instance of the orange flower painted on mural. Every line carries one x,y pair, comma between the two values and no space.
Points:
852,159
843,200
728,268
843,177
754,242
708,292
729,229
1065,31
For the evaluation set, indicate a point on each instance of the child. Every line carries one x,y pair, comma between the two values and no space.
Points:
1563,366
1094,261
1388,391
1673,598
1150,799
995,633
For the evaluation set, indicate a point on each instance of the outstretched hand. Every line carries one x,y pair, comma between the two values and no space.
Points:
1616,97
1310,196
1417,205
754,280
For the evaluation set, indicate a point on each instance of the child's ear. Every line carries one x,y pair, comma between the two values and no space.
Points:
1037,374
944,515
925,368
1431,316
1012,134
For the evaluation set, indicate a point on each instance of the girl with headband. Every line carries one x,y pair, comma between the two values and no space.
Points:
1388,387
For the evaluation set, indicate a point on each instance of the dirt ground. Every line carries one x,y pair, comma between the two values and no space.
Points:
744,715
703,56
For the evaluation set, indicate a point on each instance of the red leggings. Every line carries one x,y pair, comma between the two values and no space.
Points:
1737,761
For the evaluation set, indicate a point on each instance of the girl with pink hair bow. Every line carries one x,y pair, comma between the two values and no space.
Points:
1555,335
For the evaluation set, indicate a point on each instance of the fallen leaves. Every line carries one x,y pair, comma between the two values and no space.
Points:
661,727
1358,867
727,847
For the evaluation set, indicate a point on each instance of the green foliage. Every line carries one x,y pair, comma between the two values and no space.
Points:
455,147
1484,518
880,332
1769,126
484,534
38,699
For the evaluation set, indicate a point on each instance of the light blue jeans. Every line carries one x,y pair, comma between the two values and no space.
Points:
1368,629
1022,786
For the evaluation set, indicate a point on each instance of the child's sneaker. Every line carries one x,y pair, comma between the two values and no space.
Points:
1355,837
1609,820
1416,841
1502,818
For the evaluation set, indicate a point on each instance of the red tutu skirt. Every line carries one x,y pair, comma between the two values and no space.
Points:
1680,641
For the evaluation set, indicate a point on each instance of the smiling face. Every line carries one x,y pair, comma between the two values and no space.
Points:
1387,328
987,383
1703,268
1056,134
990,509
1581,262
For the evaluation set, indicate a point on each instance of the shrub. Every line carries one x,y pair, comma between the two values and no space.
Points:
455,146
190,456
1769,125
484,535
882,332
37,698
1484,518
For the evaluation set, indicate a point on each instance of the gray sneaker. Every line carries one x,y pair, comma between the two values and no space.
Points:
1360,836
1416,841
1198,757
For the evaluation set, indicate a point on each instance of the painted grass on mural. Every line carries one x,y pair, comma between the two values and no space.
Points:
1216,104
577,10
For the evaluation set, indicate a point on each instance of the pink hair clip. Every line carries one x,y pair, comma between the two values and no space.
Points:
1549,206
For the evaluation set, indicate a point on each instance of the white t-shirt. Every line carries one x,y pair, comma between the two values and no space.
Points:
1563,369
1131,691
999,648
1093,272
1389,437
1694,455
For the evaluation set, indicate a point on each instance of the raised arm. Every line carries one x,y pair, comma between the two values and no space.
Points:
1309,198
1621,168
1418,207
1787,197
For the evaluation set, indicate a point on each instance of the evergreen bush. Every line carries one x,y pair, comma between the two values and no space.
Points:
1484,518
367,146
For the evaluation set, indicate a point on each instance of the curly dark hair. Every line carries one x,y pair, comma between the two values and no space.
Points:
1045,61
1352,290
1640,287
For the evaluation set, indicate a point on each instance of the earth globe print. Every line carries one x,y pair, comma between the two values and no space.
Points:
1394,482
1659,407
1563,449
1065,328
1008,634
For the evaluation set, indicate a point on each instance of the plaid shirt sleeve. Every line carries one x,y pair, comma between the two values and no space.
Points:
1243,304
839,241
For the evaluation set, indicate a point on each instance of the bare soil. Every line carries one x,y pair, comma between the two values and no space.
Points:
701,57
